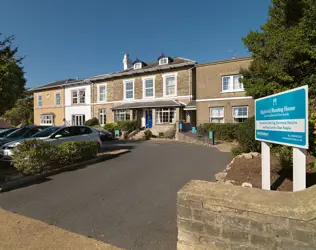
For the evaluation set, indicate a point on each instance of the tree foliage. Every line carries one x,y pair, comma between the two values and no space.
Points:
22,112
284,50
12,81
284,54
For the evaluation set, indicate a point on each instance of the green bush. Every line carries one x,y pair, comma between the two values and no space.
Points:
148,133
33,156
92,122
161,134
246,137
111,127
285,155
170,133
127,126
75,151
222,131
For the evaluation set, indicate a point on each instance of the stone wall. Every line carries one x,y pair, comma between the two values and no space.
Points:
218,216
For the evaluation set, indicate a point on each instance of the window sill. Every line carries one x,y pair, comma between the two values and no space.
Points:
170,96
231,91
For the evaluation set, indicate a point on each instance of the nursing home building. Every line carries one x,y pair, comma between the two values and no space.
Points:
157,94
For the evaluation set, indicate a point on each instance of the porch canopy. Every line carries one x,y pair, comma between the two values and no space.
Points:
190,106
154,104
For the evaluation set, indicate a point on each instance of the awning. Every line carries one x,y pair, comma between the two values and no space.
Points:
190,106
153,104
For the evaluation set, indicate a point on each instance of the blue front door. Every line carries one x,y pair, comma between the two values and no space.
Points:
149,119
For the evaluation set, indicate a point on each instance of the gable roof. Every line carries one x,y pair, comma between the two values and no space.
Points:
58,83
176,62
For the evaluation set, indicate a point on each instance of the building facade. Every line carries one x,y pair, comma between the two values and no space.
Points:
49,104
77,102
154,93
220,97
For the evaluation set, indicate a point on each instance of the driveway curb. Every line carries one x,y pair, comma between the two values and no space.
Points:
14,184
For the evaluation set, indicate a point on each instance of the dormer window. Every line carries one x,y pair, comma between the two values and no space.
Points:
163,61
138,65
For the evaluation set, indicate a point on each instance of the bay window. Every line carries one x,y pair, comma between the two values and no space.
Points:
122,115
165,115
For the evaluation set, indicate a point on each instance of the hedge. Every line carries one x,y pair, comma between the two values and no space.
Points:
127,126
92,122
35,156
223,131
246,138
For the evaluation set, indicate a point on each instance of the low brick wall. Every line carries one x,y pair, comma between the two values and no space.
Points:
218,216
188,139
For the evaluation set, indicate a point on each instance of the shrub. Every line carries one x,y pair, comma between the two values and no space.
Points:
148,133
170,133
127,126
33,156
223,131
92,122
285,155
161,134
71,152
246,137
111,127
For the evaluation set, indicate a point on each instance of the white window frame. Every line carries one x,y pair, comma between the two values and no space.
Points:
231,84
241,117
138,65
124,83
57,93
123,112
163,61
164,77
44,119
144,79
102,112
81,119
105,92
38,101
165,110
78,96
218,116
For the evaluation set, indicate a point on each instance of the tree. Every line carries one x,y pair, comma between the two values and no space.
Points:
284,54
284,51
12,81
22,112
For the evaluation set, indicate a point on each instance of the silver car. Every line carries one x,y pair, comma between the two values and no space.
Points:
54,135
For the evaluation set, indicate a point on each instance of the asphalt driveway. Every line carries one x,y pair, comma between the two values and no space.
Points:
129,201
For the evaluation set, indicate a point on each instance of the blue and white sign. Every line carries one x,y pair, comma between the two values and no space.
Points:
283,118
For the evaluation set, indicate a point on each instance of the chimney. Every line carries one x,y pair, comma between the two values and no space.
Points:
127,62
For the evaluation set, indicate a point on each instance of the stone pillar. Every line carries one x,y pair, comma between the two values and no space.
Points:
154,117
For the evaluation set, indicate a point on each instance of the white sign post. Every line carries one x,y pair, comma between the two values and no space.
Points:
283,119
265,165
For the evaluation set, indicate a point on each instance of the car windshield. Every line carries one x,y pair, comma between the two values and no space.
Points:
18,133
46,132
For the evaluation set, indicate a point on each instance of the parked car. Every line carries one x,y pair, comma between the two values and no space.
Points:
105,135
5,132
21,133
54,135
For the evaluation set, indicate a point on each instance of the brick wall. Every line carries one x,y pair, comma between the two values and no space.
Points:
218,216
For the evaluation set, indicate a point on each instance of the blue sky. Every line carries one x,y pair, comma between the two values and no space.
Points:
68,38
